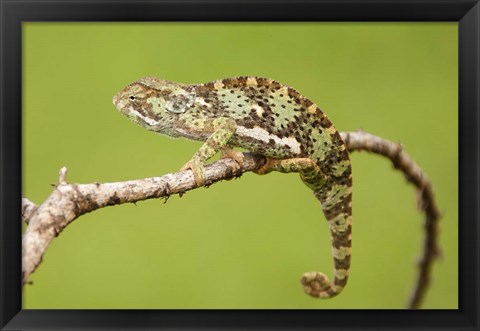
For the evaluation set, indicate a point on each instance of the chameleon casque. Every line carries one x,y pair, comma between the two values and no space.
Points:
264,117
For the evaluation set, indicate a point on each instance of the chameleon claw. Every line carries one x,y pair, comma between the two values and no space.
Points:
198,172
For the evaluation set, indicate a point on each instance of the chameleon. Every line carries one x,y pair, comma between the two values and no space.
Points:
264,117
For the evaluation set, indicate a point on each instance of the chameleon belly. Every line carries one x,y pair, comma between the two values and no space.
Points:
264,117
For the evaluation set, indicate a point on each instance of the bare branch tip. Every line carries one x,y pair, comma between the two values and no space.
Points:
62,178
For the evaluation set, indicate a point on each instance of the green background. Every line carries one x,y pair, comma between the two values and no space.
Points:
243,243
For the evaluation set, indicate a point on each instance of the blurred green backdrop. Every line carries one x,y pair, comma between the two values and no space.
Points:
243,243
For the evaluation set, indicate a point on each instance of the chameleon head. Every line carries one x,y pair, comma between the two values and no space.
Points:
154,103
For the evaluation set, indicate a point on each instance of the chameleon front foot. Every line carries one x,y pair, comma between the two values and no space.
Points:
238,156
317,285
198,171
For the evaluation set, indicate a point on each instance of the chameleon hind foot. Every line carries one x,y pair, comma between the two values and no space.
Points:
317,285
266,168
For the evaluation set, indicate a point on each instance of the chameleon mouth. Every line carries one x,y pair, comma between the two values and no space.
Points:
116,99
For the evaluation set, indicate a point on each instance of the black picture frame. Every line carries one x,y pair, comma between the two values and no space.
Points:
14,12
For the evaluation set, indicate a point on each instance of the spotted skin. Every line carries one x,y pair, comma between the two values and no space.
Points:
267,118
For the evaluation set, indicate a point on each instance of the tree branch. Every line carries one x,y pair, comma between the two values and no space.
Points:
69,201
360,140
28,208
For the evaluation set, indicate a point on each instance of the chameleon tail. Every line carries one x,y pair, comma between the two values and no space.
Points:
336,205
335,195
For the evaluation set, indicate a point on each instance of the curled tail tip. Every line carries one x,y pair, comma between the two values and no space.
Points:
317,284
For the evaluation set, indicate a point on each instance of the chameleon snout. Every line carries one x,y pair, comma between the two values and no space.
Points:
119,101
116,99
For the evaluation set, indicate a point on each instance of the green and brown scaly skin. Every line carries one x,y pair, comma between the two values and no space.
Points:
264,117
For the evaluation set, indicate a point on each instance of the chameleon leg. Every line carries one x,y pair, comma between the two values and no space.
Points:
302,165
223,129
335,198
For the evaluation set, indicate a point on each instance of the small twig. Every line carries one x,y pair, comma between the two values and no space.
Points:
62,176
68,201
357,141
